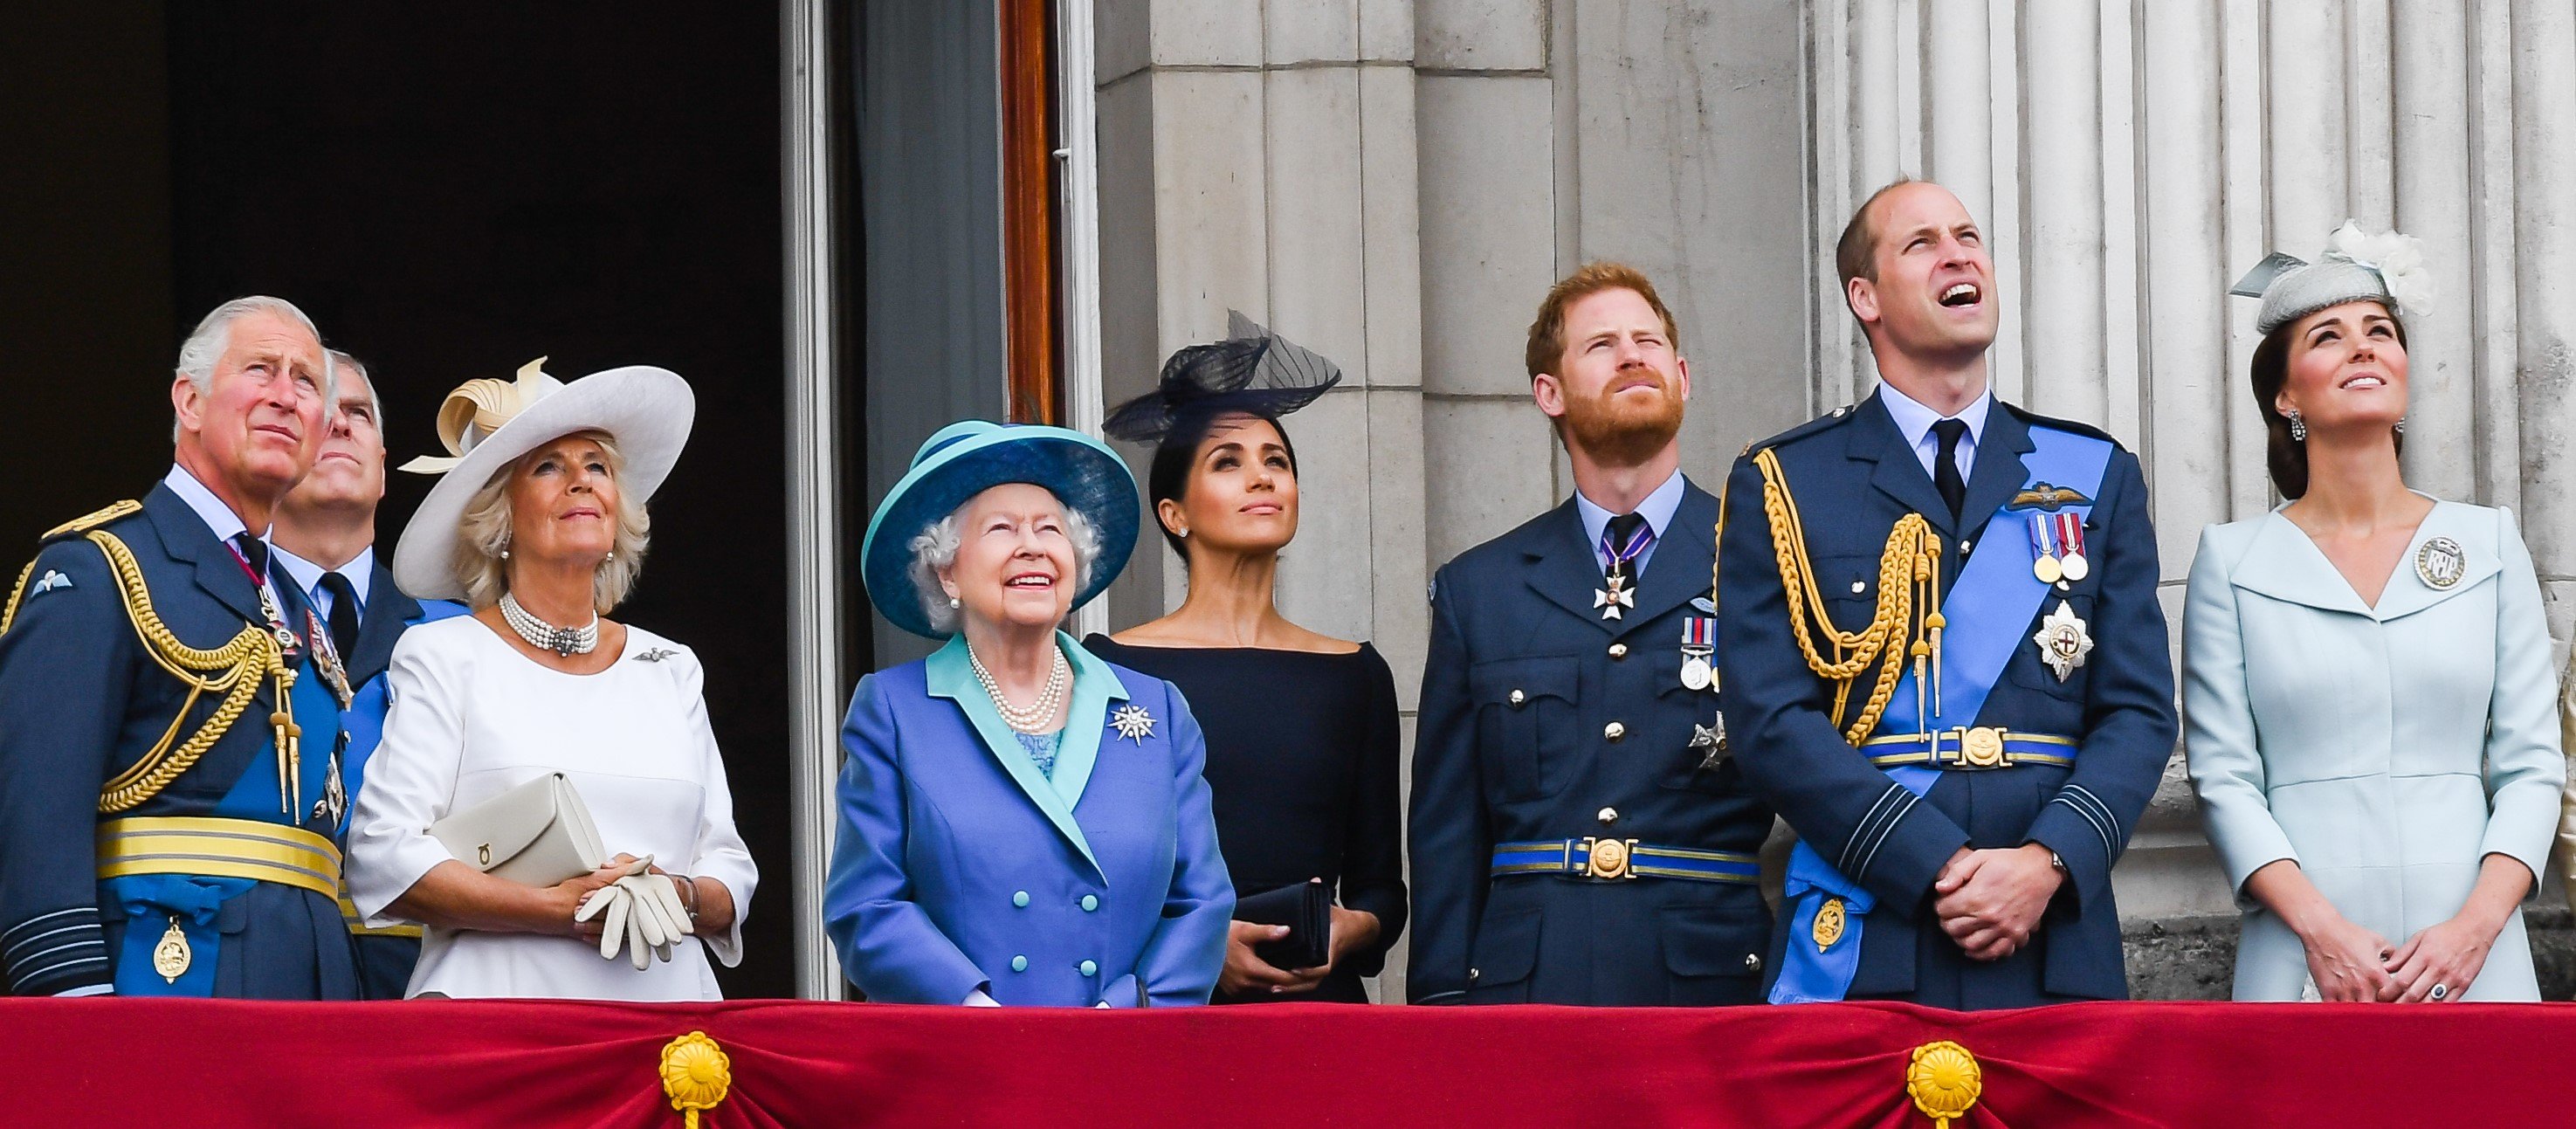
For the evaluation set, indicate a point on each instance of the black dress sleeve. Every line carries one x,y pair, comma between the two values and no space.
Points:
1373,847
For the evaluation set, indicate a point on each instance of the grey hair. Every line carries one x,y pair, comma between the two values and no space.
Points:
483,534
214,334
935,548
340,361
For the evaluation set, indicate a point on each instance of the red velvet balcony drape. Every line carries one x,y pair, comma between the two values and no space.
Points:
187,1063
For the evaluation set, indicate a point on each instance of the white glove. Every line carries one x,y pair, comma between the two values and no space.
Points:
637,913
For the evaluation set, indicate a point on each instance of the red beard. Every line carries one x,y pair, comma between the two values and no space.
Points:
1624,433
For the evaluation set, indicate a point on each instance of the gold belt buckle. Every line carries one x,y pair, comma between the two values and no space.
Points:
1608,858
1983,747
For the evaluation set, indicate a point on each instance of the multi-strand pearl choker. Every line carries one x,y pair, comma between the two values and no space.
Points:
1039,715
565,642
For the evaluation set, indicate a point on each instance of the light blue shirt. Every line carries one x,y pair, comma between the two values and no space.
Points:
208,508
1914,421
1657,508
307,575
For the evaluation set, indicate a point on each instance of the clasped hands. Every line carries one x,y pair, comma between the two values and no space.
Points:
635,907
1990,901
2352,964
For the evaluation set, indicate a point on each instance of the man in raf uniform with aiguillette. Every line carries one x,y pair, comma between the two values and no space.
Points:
1578,834
1945,662
169,711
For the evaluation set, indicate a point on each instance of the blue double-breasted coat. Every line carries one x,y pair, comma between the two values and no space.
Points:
959,866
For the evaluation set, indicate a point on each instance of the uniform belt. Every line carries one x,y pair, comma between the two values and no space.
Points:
1614,859
219,848
358,924
1967,749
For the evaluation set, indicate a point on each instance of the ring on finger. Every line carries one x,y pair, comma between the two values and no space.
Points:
2441,992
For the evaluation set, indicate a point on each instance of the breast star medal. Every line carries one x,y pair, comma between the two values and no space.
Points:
2441,563
1615,595
170,957
1710,742
1132,722
2062,641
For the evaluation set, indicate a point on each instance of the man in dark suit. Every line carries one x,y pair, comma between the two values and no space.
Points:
1945,662
326,546
1578,834
166,817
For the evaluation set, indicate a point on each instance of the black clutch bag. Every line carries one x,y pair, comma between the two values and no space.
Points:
1307,910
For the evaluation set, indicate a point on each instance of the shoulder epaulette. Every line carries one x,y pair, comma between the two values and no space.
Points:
90,521
2083,429
1834,418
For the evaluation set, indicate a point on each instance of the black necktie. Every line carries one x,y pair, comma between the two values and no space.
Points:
254,551
344,613
1622,540
1945,464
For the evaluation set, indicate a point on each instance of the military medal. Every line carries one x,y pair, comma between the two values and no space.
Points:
1699,652
2070,535
2062,641
1614,597
335,795
1616,593
1831,919
170,957
2441,563
326,657
2043,550
1710,741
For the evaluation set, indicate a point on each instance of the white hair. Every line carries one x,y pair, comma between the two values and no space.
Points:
339,361
935,548
214,334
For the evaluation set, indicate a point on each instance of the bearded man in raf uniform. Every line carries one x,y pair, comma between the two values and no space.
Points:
1945,662
169,710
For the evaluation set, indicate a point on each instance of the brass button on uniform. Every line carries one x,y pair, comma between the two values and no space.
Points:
1614,731
1609,816
1752,962
1618,651
1516,697
1473,973
1859,586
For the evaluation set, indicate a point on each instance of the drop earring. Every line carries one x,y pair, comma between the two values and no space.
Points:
2401,426
2298,427
952,601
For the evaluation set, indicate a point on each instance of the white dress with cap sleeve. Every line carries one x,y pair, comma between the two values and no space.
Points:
472,718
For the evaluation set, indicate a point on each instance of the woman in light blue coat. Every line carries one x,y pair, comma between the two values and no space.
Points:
1021,822
2369,703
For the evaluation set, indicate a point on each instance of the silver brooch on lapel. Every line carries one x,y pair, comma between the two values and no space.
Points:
2441,563
2063,643
1132,722
655,655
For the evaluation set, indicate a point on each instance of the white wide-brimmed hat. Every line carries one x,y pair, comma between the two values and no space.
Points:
487,423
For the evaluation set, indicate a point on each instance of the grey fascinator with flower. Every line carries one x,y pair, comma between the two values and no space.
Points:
2357,267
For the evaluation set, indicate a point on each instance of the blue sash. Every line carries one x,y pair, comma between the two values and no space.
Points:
150,901
1988,607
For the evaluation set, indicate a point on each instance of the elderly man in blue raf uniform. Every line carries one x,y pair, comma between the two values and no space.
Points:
325,539
1579,835
169,713
1945,661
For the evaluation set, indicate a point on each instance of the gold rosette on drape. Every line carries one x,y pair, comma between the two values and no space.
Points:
1944,1081
696,1075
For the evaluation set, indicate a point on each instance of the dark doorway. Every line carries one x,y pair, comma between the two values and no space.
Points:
450,191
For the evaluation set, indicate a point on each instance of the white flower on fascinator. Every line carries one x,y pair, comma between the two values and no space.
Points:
2399,259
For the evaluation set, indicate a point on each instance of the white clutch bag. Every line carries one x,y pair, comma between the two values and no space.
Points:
536,834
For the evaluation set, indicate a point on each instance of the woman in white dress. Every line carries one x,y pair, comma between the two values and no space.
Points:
2368,698
539,525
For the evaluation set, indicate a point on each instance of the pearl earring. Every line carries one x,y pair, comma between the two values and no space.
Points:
505,554
2298,427
952,601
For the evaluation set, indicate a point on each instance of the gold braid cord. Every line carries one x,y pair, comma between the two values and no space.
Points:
233,670
1910,565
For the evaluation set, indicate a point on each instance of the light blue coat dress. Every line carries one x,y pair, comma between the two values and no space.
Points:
2388,750
961,867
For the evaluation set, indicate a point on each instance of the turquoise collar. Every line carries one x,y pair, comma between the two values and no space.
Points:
1095,685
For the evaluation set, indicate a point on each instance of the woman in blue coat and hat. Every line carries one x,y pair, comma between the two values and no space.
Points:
1021,822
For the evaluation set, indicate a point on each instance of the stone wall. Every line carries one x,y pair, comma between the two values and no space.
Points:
1395,182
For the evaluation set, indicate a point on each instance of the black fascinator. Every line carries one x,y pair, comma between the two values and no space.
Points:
1253,371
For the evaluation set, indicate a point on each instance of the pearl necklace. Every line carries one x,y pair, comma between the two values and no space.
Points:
1038,715
565,642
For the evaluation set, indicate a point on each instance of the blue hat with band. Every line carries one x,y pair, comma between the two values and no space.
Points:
965,459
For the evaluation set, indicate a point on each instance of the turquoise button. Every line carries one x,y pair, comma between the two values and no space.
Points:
1019,964
1089,968
1020,899
1089,903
